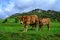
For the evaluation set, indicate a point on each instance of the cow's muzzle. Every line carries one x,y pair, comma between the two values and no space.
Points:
21,22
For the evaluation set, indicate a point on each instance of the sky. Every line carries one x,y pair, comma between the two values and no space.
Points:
10,7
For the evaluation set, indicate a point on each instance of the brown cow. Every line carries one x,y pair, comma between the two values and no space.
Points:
44,21
29,20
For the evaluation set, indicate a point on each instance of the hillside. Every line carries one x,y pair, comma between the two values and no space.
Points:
53,15
36,11
50,13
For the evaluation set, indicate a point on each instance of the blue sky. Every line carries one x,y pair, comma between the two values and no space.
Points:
9,7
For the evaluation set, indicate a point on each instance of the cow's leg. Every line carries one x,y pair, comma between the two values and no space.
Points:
36,27
25,28
33,27
48,25
41,26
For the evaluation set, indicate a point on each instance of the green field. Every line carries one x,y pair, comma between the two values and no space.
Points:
13,31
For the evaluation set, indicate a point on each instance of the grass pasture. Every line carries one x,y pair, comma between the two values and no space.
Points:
13,31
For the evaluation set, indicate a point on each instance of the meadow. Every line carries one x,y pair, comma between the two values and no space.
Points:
13,31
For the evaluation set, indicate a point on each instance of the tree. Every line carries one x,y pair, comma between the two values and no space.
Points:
16,20
4,21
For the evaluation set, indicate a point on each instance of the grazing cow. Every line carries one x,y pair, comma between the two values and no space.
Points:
44,21
29,20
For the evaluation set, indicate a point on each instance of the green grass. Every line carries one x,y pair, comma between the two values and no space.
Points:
13,31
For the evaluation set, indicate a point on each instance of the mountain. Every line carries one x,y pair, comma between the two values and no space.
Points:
54,15
36,11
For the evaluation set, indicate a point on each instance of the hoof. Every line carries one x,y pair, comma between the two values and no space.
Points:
24,31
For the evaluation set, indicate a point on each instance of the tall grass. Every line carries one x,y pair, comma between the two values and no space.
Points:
13,31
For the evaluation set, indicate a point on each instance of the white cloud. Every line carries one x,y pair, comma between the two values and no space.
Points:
23,2
7,9
45,4
0,10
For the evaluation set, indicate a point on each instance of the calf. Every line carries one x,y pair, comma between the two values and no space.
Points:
44,21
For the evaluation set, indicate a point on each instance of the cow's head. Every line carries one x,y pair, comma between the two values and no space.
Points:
22,19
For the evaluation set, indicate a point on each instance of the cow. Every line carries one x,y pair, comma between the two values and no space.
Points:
44,21
29,20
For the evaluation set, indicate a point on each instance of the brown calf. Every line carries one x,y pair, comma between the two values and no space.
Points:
44,21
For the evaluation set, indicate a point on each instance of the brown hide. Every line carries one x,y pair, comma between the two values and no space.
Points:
29,20
44,21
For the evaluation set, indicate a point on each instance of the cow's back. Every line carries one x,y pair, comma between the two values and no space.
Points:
31,18
34,18
44,20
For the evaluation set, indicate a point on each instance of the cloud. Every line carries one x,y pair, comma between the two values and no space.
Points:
0,10
46,4
56,6
6,8
9,7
